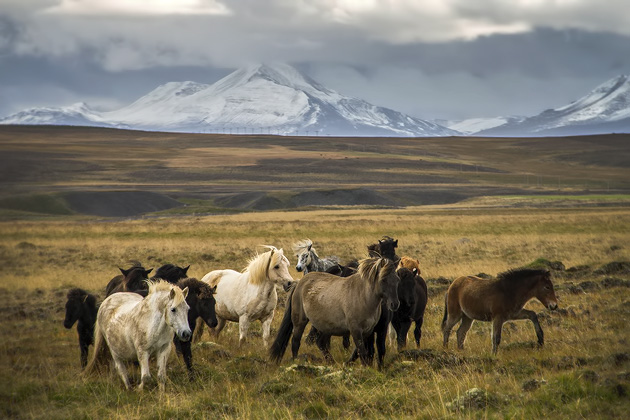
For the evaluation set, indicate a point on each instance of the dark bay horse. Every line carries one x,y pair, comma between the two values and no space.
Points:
472,298
385,248
337,306
413,300
81,308
412,293
200,298
133,279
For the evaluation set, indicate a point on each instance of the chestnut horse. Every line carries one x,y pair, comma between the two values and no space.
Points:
471,298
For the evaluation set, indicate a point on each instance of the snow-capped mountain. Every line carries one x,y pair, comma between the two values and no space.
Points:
75,114
263,98
474,125
606,109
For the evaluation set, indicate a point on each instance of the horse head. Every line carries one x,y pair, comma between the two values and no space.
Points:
206,305
74,306
278,268
304,260
545,293
406,288
177,313
381,273
171,273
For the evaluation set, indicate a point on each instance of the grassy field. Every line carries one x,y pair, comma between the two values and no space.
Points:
44,170
582,372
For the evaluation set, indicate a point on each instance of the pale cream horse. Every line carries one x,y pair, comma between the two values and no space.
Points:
132,327
251,294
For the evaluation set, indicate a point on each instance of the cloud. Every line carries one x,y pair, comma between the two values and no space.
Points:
139,7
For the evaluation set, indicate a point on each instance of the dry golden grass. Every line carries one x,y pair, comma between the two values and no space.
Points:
585,360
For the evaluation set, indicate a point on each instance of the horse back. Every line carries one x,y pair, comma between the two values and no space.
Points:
478,298
214,277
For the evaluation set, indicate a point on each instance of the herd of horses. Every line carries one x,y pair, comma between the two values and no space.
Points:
367,300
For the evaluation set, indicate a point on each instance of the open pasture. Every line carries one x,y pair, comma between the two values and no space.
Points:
582,371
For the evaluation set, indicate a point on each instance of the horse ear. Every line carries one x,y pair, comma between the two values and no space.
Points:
309,247
213,289
185,292
123,271
171,295
185,270
395,243
380,242
146,272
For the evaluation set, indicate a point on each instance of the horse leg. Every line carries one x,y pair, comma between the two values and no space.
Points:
401,333
417,332
145,374
216,330
448,325
122,371
462,331
198,331
84,353
392,334
266,329
531,315
186,351
243,327
162,358
360,344
497,326
296,340
323,343
345,340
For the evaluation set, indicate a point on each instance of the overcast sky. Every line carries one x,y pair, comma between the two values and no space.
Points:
429,58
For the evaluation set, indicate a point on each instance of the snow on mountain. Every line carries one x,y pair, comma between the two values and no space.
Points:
474,125
75,114
605,109
263,98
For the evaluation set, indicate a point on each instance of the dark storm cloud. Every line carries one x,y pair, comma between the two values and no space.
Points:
431,58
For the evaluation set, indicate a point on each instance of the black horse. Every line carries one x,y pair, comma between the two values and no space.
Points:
81,308
412,293
408,289
385,248
133,279
171,273
201,301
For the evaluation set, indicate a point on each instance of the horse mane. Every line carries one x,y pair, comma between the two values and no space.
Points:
170,273
164,286
259,265
375,269
81,295
201,289
517,276
301,246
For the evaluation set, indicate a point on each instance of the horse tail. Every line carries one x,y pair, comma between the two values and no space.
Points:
99,356
279,346
445,309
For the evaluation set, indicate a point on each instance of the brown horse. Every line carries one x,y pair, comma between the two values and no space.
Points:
337,306
471,298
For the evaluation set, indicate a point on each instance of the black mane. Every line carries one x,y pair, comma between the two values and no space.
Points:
203,290
171,273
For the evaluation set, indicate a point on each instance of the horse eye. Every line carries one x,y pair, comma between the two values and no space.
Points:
276,267
174,310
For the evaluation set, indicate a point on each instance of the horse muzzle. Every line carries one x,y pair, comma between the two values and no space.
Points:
184,335
552,306
298,268
288,285
393,306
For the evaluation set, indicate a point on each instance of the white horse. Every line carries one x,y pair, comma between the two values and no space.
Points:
250,295
133,327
